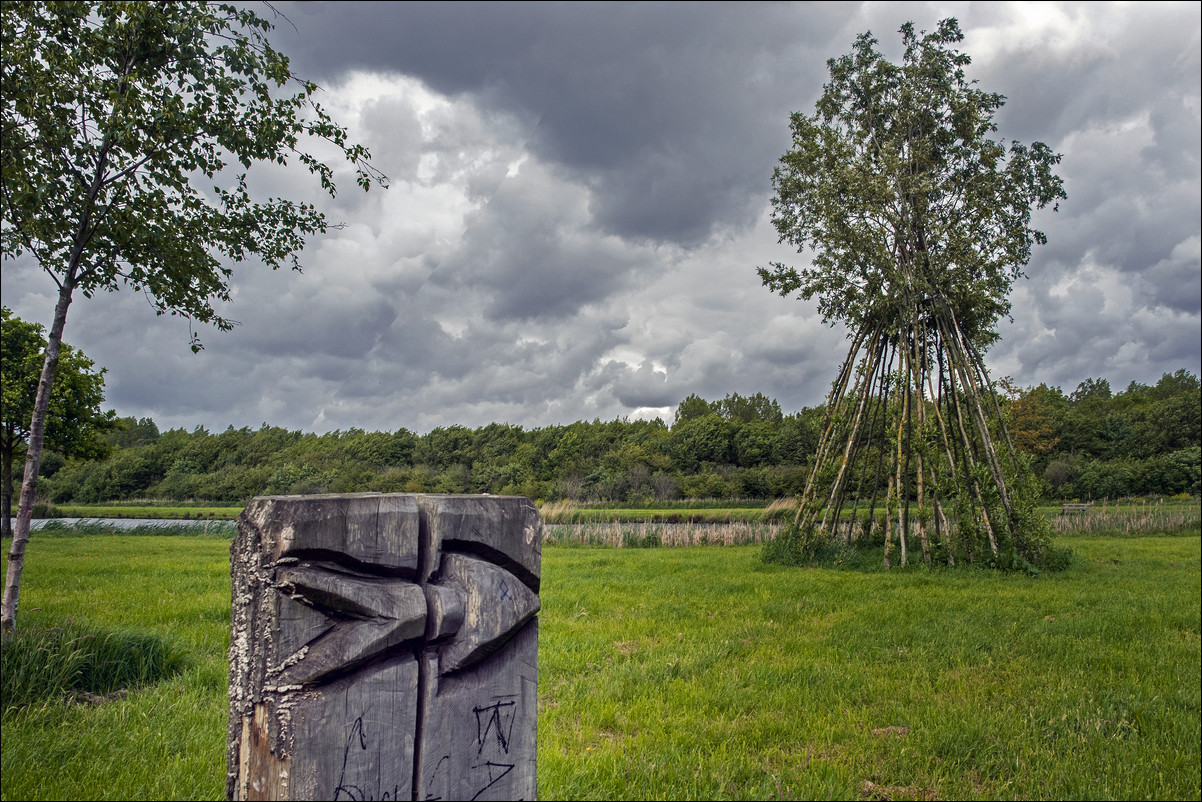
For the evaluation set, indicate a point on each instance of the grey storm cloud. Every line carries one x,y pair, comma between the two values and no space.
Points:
532,253
674,119
1174,282
581,193
635,387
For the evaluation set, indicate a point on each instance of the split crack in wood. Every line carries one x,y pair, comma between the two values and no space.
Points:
383,646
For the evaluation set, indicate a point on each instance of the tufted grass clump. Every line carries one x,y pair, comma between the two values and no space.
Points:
41,665
634,539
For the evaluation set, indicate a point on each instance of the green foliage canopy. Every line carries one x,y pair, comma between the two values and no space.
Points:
121,123
76,424
129,130
896,186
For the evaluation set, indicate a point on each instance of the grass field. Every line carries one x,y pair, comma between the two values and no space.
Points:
151,511
702,673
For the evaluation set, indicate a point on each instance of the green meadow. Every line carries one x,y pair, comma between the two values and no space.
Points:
699,672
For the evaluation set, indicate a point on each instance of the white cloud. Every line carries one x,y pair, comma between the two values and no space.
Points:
549,251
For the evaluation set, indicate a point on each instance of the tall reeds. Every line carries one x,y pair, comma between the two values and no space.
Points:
1144,518
650,534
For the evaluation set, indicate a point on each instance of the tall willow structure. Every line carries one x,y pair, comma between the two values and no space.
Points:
918,223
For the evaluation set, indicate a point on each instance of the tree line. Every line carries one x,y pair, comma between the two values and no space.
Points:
1090,443
728,448
1093,443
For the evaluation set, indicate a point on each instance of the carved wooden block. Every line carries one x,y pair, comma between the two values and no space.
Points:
384,647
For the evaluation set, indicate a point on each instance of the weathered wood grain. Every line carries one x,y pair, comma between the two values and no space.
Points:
384,647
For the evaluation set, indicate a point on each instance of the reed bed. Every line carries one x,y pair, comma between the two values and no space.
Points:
1143,518
562,530
616,534
569,512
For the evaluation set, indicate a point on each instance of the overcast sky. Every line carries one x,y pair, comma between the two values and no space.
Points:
581,194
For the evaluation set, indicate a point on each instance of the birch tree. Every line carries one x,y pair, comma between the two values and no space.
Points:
128,133
919,223
75,421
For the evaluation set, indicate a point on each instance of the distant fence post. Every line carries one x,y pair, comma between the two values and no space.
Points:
384,646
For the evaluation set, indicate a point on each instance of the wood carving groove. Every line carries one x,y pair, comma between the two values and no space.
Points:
384,647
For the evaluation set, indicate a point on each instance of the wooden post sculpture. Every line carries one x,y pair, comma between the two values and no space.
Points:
384,647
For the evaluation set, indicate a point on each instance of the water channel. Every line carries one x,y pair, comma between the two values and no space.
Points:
132,523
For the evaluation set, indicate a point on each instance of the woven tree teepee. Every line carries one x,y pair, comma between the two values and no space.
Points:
918,224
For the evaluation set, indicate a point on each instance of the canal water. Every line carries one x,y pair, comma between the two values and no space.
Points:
131,523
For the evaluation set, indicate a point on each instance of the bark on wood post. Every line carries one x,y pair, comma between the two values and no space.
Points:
384,647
